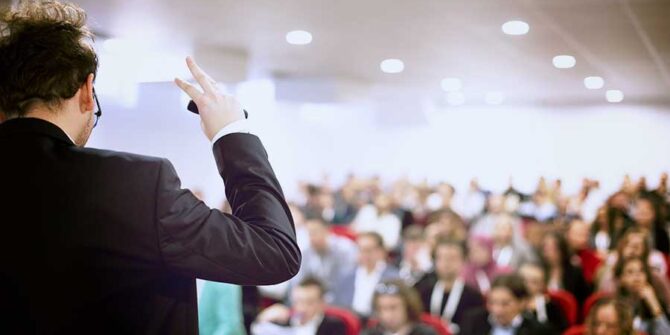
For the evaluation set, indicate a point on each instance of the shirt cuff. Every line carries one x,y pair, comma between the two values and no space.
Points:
239,126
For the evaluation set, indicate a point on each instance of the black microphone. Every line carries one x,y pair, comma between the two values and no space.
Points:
193,108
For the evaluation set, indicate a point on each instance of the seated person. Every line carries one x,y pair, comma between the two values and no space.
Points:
562,272
327,257
306,317
481,267
356,288
504,312
397,310
415,260
540,306
443,291
650,313
635,243
609,316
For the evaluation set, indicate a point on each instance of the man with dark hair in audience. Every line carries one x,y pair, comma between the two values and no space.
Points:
443,291
415,258
356,289
327,257
504,312
306,317
539,304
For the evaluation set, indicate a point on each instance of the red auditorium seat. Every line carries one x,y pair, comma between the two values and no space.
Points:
344,232
568,304
575,330
350,320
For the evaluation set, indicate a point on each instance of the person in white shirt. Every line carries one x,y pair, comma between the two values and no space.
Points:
327,257
379,218
355,290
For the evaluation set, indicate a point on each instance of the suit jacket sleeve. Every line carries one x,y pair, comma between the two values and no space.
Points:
254,246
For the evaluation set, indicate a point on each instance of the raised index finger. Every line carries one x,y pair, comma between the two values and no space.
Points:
200,76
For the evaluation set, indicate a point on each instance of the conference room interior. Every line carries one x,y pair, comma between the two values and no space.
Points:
534,134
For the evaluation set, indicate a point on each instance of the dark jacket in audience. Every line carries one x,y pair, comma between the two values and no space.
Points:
477,322
470,299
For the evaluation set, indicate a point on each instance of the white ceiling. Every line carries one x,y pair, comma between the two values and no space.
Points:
627,42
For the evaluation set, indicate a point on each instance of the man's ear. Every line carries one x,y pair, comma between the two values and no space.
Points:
86,101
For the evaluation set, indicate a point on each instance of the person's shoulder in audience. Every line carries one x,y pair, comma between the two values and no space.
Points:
331,326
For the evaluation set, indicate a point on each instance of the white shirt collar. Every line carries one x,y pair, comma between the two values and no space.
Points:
308,328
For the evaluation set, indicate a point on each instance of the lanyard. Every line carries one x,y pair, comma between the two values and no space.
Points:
452,301
541,308
483,281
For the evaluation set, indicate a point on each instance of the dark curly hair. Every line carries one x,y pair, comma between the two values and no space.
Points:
43,55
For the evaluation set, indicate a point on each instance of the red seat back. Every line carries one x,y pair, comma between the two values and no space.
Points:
350,320
575,330
344,232
568,304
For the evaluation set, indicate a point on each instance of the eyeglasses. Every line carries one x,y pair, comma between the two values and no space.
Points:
384,288
97,114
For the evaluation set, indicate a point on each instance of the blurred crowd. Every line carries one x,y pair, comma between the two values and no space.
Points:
414,258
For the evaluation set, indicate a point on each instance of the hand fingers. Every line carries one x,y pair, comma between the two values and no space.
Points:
200,76
191,90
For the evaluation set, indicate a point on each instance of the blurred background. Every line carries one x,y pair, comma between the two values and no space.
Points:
441,90
537,132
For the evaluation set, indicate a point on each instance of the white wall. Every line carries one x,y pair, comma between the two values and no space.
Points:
491,143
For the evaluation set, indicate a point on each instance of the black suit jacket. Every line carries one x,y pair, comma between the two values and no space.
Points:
470,299
476,322
103,242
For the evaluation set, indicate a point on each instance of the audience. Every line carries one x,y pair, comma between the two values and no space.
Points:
649,310
609,316
356,288
481,268
415,261
327,257
306,316
454,247
510,250
397,311
443,291
563,274
504,312
539,304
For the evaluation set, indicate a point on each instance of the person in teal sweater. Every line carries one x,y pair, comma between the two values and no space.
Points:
220,309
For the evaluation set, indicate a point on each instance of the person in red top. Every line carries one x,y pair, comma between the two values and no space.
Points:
578,240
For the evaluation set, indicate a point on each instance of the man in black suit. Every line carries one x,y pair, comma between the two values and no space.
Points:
103,242
504,313
443,291
307,315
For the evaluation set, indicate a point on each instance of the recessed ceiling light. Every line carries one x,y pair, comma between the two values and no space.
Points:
614,96
299,37
515,28
564,61
392,65
455,98
495,98
451,84
594,82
